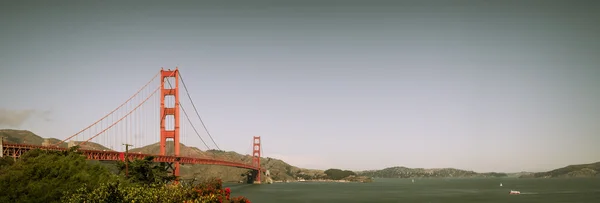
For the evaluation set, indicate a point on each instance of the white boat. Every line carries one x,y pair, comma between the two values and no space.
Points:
500,184
513,192
413,180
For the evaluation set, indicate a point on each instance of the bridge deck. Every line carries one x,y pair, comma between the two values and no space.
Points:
16,150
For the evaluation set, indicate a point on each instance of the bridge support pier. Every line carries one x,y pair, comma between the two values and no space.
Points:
253,177
256,151
169,108
268,178
171,167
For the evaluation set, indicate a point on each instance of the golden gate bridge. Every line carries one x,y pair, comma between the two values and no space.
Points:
139,121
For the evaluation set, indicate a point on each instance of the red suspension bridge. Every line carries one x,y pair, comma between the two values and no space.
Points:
152,112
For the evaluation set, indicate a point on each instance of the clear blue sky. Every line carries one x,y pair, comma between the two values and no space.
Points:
506,86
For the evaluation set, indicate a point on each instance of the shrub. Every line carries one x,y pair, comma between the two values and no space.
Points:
210,191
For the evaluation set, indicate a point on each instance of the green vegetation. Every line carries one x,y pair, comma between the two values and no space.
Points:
6,162
27,137
146,172
209,191
22,137
333,174
403,172
581,170
337,174
44,176
279,169
54,176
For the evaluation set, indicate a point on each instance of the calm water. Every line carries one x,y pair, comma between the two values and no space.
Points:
427,190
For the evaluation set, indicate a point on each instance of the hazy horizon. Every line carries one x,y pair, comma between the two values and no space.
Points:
503,86
367,169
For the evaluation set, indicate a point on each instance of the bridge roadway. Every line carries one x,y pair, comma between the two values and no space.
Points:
16,150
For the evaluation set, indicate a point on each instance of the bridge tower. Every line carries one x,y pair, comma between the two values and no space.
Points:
256,158
168,109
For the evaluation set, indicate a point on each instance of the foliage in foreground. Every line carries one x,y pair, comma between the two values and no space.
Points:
43,176
51,176
6,162
206,192
146,172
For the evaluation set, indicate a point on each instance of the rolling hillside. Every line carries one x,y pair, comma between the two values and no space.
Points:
279,169
581,170
27,137
404,172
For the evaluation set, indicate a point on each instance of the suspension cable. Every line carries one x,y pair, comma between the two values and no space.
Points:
156,90
111,111
188,118
196,110
186,115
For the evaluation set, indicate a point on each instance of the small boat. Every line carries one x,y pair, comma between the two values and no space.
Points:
512,192
413,180
500,184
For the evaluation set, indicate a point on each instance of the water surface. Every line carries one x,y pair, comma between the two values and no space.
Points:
578,190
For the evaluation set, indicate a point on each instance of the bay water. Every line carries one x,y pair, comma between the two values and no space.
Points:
447,190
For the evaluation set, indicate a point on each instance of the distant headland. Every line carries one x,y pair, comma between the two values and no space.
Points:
284,172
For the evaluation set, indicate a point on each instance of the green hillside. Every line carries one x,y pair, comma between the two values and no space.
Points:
22,137
279,169
28,137
581,170
404,172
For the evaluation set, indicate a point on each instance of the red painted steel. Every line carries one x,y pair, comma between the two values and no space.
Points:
256,155
16,150
170,90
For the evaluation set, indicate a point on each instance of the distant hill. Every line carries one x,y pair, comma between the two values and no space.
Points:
21,137
519,174
279,169
27,137
581,170
404,172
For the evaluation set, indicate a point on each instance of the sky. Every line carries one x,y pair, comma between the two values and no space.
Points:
502,86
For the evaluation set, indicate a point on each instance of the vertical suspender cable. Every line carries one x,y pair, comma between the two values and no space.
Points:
196,110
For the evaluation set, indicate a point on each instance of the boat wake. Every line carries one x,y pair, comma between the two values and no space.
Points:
513,192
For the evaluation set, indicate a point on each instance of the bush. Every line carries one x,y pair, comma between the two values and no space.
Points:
43,176
145,171
50,176
337,174
207,192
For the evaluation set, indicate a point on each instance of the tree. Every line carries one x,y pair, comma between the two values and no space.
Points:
146,172
66,176
6,162
210,191
44,176
337,174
